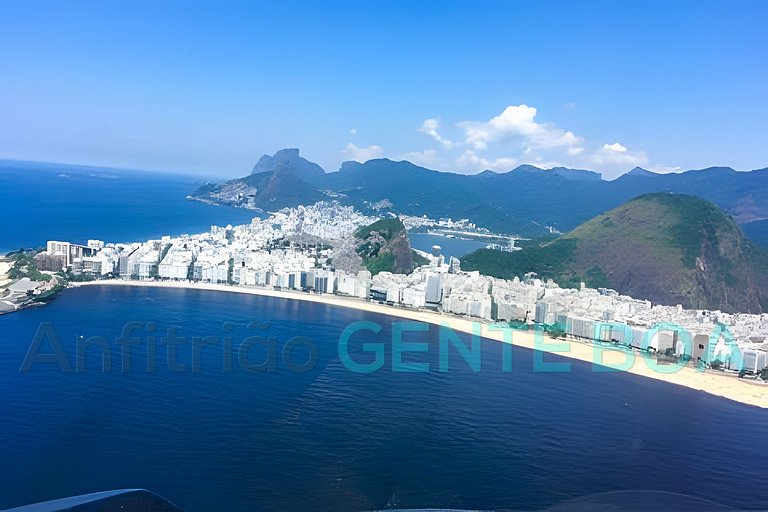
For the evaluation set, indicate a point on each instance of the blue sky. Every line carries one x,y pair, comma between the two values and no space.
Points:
207,87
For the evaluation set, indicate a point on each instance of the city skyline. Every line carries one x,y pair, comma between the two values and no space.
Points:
207,90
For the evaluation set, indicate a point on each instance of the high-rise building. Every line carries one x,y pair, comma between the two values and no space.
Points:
434,291
69,250
363,285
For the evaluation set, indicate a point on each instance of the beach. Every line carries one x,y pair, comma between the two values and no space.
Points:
5,306
5,267
712,382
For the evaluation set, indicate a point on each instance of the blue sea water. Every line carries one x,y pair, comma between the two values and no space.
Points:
75,203
328,438
332,439
455,247
43,202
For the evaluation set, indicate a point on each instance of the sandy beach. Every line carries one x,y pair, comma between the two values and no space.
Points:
5,267
712,382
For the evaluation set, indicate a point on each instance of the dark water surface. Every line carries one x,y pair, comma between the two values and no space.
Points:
332,439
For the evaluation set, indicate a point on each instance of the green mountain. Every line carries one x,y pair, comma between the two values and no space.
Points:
385,247
667,248
757,231
525,200
278,181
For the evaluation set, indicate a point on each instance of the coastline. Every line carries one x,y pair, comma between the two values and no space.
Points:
716,384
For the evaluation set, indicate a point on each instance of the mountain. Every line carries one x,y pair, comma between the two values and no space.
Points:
278,181
757,231
525,200
639,171
414,190
575,174
289,158
385,247
667,248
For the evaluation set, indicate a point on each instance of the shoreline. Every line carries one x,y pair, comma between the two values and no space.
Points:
717,384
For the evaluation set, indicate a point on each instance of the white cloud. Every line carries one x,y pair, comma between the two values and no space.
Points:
352,152
614,148
430,126
472,161
517,122
664,168
544,164
516,136
617,154
426,158
353,131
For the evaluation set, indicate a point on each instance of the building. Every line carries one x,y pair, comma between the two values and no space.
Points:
363,284
68,250
176,264
345,284
434,292
89,265
124,267
147,264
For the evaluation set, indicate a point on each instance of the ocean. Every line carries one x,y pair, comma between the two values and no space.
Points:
236,421
456,247
62,202
214,437
76,203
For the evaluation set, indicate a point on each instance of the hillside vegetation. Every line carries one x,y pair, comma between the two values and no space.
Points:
524,200
385,247
667,248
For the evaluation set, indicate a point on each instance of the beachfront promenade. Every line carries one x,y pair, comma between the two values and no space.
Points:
713,382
